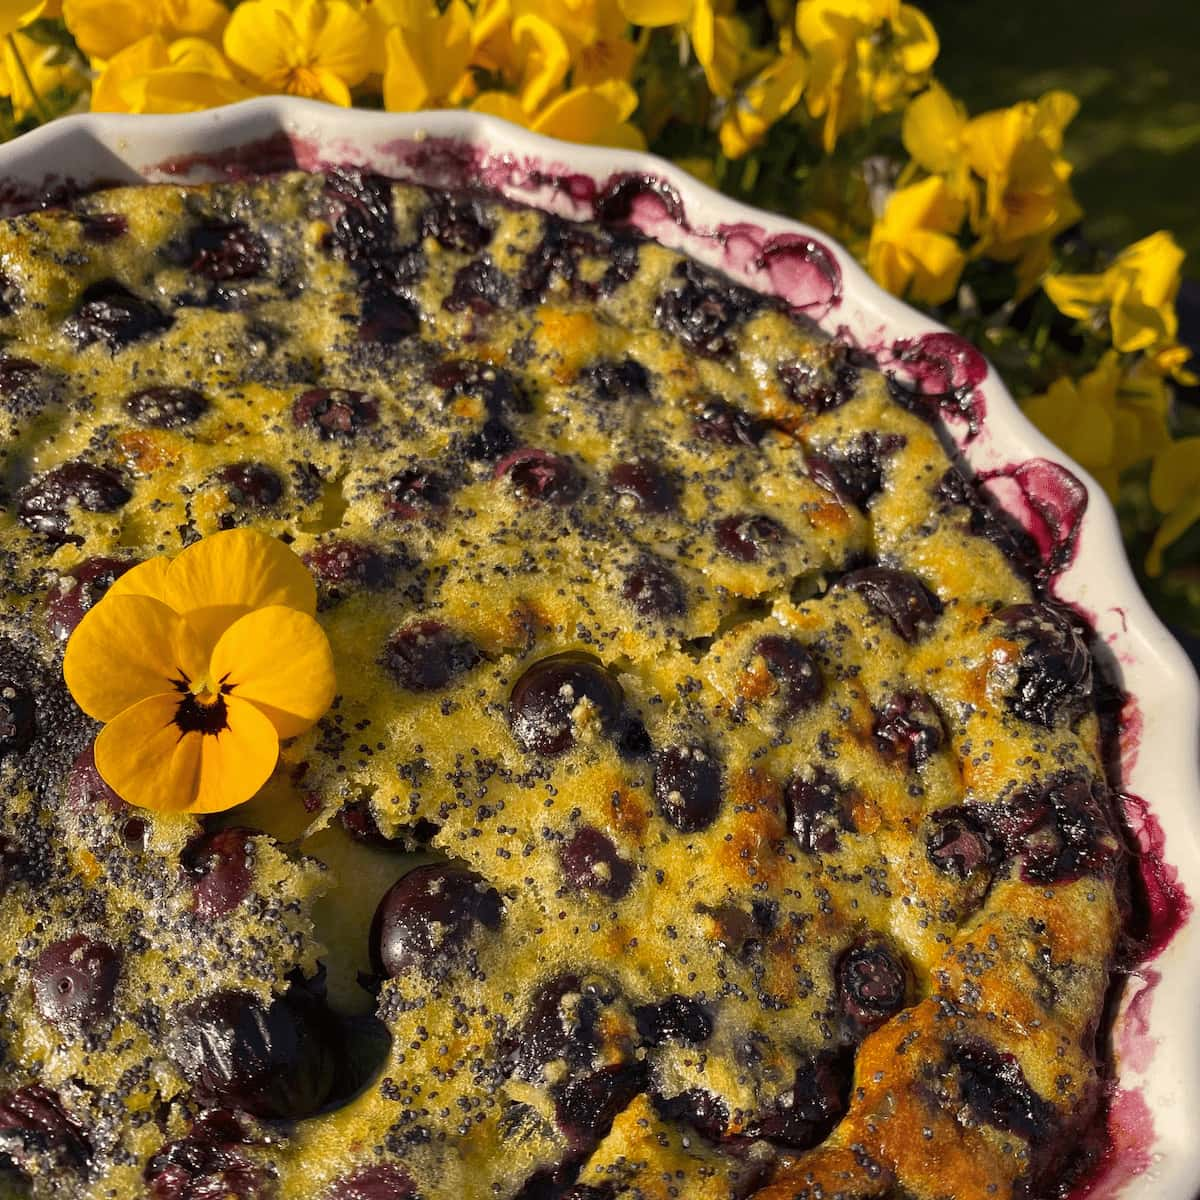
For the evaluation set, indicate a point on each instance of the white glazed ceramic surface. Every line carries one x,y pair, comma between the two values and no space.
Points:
1156,1103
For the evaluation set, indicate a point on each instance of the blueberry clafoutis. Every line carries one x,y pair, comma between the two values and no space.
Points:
708,807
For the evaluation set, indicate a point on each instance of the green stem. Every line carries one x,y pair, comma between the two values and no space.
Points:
39,107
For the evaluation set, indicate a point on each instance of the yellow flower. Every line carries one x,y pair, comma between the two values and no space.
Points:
315,48
1175,492
596,33
913,245
718,39
769,96
151,76
198,666
50,69
1106,421
932,131
597,114
867,57
1017,152
1137,295
427,57
103,27
527,53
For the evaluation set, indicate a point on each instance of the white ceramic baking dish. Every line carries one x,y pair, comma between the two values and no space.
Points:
1154,1113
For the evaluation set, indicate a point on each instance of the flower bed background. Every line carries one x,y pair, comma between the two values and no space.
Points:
843,113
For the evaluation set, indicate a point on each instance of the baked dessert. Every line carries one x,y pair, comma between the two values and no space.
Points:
712,804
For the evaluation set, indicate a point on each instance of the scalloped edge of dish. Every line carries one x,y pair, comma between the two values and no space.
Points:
1154,1153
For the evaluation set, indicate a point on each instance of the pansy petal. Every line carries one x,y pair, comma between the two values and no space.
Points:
148,761
142,755
236,763
125,649
279,660
146,579
220,578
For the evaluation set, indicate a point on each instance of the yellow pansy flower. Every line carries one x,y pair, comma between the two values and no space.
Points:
1017,152
1136,294
596,33
315,48
769,96
932,130
867,57
913,246
101,28
152,76
49,68
199,666
427,55
1107,421
526,52
597,114
1175,492
718,38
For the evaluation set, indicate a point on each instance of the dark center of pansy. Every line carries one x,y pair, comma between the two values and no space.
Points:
201,712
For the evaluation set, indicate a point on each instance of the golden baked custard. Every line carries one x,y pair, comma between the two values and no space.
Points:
710,807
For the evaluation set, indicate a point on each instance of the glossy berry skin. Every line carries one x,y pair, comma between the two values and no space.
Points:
994,1089
675,1019
457,223
34,1123
536,475
335,413
416,494
251,485
74,981
873,984
590,863
897,596
958,844
493,440
274,1061
45,504
1054,670
653,590
643,486
688,787
480,288
426,656
704,1112
225,250
560,1025
821,387
908,728
798,676
705,311
855,472
544,700
610,381
166,407
749,537
587,1105
497,388
343,562
807,1112
18,718
384,1181
78,590
108,312
428,916
726,425
197,1168
220,867
815,811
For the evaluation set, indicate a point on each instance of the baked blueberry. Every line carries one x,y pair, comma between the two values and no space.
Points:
110,313
558,696
74,981
704,311
645,485
273,1060
873,983
727,425
610,380
806,1113
35,1126
587,1105
492,441
457,222
225,250
541,476
335,412
795,670
166,407
958,844
481,288
824,382
995,1091
427,655
197,1168
688,786
898,596
78,590
382,1181
47,503
18,718
220,867
1054,670
560,1026
653,589
417,492
749,537
251,485
909,728
428,916
855,472
675,1019
499,390
590,863
816,810
343,562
